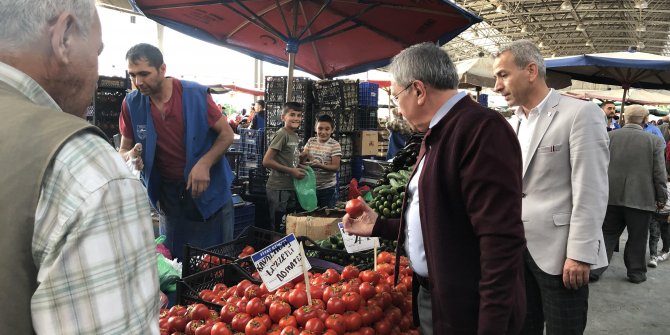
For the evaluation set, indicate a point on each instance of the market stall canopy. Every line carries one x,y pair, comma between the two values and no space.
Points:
637,96
627,69
324,38
478,72
220,88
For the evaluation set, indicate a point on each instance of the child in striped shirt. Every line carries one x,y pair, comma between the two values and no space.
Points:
323,153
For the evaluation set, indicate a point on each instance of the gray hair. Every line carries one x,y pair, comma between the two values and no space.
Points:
24,21
425,62
526,52
636,114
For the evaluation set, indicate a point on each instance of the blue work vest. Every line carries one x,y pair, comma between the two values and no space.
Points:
198,140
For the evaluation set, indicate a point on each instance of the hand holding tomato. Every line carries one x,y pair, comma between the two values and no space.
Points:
360,218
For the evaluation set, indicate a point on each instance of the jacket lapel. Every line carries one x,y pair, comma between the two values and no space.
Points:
544,119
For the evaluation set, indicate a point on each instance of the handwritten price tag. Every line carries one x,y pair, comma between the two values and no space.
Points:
280,262
355,243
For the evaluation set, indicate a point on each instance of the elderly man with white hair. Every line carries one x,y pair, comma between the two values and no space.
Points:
637,188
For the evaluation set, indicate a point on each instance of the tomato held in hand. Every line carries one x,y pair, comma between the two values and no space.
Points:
355,208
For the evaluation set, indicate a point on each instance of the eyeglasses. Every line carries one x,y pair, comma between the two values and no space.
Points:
394,98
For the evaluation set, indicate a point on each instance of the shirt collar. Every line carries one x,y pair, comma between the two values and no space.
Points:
27,86
519,111
446,107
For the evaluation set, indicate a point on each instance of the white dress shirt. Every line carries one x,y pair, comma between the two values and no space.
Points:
526,125
414,246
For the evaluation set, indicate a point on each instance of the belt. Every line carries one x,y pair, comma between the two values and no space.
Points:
423,281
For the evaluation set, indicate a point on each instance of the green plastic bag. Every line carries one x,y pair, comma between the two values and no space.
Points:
305,190
167,274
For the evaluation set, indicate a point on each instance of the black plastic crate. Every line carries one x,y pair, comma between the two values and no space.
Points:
257,179
345,118
344,174
273,111
196,260
275,90
337,93
107,107
368,94
346,143
363,260
366,118
189,287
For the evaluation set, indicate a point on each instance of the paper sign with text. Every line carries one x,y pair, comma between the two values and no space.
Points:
355,243
280,262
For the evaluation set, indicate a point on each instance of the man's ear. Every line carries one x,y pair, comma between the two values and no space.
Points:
418,88
533,71
61,33
162,69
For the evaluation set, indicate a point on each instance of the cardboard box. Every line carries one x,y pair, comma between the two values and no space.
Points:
366,143
316,225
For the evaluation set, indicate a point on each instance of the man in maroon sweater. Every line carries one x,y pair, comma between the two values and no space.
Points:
461,219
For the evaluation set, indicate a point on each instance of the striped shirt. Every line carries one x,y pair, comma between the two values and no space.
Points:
93,238
323,153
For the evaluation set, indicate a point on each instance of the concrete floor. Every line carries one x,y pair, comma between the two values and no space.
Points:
617,306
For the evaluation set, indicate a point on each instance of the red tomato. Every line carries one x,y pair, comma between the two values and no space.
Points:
353,320
248,250
366,290
251,291
315,325
331,291
177,310
329,332
336,323
192,325
318,304
331,276
255,327
221,328
384,257
367,331
335,305
369,276
288,321
350,272
255,306
240,321
278,310
303,314
241,287
228,311
297,298
322,314
266,320
316,291
177,323
205,329
382,327
290,330
355,208
352,301
385,268
197,312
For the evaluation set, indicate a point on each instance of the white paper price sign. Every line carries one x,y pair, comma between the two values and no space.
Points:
355,243
280,262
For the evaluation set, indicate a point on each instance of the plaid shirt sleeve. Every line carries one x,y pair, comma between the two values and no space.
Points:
93,246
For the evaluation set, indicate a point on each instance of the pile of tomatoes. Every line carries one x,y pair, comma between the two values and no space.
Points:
353,302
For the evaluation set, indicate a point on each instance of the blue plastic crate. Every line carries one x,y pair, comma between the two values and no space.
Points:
368,94
245,216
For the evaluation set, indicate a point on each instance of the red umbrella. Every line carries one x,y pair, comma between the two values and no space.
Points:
326,38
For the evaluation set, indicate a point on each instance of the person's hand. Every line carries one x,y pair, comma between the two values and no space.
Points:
316,164
659,205
575,274
362,225
135,153
198,179
298,173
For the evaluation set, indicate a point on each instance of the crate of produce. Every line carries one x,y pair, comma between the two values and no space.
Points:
197,259
332,250
245,216
189,287
345,118
340,93
368,94
275,89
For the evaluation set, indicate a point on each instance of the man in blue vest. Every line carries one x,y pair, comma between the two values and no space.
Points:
183,138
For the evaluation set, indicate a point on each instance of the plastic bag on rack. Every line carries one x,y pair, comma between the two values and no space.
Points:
305,190
169,272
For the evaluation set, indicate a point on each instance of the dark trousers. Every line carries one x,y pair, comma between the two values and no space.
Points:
659,229
618,218
182,223
425,311
326,197
548,301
